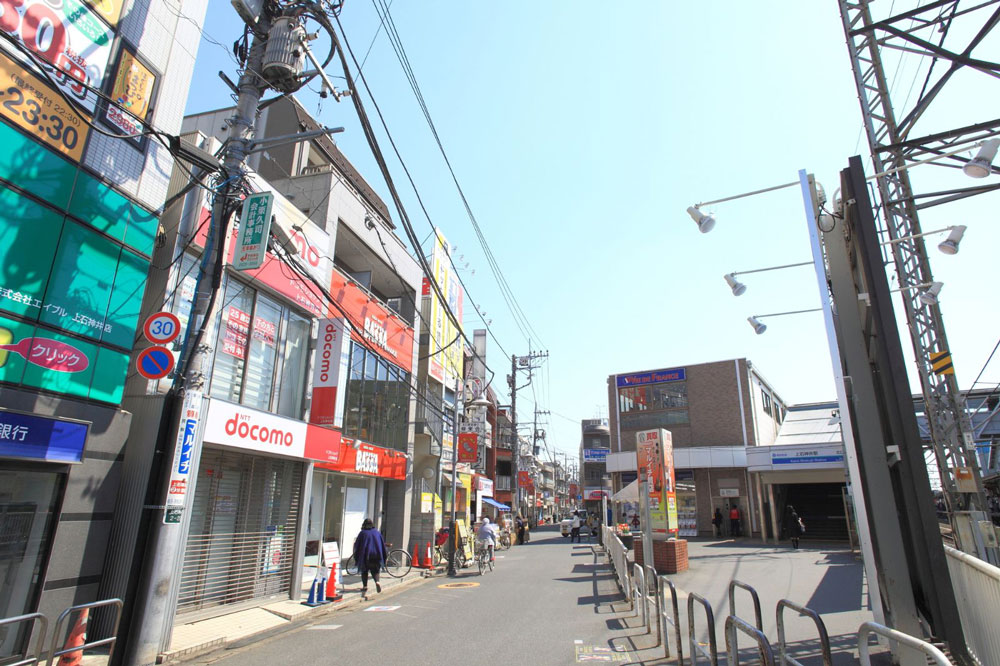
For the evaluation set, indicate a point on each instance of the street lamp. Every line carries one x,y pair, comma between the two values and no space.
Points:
759,327
981,165
739,288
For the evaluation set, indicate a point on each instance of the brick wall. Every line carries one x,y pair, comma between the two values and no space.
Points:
668,556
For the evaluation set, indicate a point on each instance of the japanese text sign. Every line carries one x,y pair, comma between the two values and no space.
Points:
187,432
38,438
655,456
255,225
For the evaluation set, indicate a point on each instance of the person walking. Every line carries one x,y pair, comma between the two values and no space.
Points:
793,526
519,526
574,534
734,520
369,554
717,522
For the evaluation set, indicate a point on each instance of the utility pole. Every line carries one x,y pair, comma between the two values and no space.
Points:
525,363
952,438
158,587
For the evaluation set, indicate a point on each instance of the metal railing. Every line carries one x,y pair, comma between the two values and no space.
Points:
651,597
732,641
733,584
24,658
639,594
977,592
693,647
869,628
619,560
664,619
54,652
824,637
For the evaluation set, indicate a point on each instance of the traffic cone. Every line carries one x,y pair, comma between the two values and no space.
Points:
430,557
312,600
77,638
416,556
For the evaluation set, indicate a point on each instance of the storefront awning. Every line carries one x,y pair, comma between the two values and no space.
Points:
446,480
629,493
492,502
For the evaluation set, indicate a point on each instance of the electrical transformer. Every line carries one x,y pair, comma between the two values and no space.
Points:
284,56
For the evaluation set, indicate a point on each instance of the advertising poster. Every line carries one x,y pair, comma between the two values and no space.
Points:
131,94
654,455
446,360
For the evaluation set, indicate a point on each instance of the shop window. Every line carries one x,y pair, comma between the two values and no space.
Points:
766,401
377,400
291,388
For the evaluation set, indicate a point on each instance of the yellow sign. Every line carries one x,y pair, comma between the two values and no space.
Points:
36,108
109,10
941,363
132,93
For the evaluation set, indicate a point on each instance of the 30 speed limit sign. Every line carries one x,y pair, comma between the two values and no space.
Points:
161,328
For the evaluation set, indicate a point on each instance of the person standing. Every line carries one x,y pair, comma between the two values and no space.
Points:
369,554
519,525
717,522
574,534
793,526
734,520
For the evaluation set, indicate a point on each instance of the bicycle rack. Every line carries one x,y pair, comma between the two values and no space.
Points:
664,619
649,576
639,592
868,628
713,653
117,603
39,642
732,644
824,637
733,584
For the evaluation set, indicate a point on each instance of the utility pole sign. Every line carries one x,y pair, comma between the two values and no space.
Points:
180,470
255,225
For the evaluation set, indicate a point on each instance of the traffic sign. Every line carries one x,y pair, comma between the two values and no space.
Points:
161,328
155,362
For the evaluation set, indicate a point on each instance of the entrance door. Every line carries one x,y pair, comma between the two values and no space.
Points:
355,512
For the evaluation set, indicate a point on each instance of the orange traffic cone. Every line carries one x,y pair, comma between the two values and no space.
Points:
429,563
77,638
416,556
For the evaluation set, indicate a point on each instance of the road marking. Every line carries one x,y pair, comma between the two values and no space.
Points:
457,586
381,609
600,653
325,626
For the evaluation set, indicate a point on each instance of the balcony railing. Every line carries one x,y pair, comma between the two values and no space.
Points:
502,483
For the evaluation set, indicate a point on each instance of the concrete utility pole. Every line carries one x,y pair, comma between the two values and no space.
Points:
158,589
519,363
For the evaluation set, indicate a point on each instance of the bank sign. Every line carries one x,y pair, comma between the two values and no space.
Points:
651,377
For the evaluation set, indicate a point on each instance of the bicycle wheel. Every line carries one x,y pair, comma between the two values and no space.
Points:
350,567
461,561
504,541
481,560
398,563
489,562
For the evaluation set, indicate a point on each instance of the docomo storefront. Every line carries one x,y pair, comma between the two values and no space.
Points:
250,518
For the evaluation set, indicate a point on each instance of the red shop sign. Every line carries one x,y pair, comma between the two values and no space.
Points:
524,479
374,323
367,459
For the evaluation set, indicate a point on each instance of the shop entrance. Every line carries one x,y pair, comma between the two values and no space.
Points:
241,540
29,500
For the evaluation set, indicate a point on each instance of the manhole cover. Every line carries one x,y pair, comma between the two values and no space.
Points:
456,586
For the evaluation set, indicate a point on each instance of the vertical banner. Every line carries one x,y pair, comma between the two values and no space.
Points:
468,447
330,372
180,467
654,455
255,225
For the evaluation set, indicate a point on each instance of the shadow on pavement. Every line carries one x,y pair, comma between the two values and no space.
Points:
840,589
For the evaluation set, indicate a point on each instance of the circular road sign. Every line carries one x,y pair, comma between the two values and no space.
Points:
161,328
155,362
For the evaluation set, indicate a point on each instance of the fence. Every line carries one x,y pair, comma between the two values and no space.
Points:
906,640
29,658
977,592
618,555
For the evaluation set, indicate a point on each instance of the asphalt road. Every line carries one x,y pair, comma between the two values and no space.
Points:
545,603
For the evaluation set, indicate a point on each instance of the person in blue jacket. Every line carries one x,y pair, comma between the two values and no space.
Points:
370,554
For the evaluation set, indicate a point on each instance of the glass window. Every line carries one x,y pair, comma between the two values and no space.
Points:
262,354
377,400
368,397
231,350
668,396
352,417
292,385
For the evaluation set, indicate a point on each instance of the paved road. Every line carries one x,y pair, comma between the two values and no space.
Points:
546,600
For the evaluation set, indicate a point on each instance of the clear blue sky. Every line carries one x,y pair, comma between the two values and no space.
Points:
581,132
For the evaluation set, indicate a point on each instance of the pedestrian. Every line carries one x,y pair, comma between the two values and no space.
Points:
519,524
487,534
734,520
369,554
574,534
717,522
793,525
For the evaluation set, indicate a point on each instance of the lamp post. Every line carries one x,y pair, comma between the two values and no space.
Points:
453,527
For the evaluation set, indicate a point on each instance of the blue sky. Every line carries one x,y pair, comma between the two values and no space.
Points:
580,133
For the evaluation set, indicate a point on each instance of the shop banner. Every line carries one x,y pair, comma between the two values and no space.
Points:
184,446
524,479
323,444
446,359
652,377
368,460
373,322
330,370
72,43
131,96
255,225
234,425
484,486
468,447
594,493
595,455
655,455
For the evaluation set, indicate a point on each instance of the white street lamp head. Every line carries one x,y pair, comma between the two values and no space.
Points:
950,244
980,166
705,222
758,326
738,287
929,296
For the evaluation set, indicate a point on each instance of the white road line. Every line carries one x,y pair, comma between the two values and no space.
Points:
325,626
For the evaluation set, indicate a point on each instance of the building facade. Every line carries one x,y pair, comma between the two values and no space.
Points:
82,181
595,445
715,412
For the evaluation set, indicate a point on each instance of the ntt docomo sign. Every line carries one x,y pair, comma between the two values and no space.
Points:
236,426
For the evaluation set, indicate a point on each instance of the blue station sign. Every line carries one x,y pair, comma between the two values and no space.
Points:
651,377
31,437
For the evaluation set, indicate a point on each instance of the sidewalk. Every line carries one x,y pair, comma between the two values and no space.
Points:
246,626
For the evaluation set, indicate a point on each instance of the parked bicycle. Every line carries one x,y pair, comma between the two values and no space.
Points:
397,564
441,550
503,543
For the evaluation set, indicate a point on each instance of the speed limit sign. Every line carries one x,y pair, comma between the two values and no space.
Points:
161,328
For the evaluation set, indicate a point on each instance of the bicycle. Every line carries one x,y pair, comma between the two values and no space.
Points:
483,558
397,564
503,543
